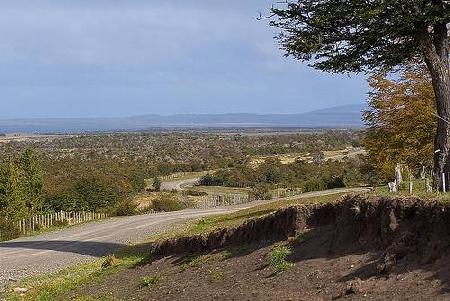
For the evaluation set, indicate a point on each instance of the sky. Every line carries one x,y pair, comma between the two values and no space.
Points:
116,58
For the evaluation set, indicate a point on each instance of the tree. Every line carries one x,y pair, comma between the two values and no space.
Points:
31,180
156,184
362,35
396,133
21,181
12,197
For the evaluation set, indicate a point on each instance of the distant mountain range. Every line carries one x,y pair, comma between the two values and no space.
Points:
347,116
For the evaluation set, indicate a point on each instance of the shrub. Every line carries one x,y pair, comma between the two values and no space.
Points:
191,192
125,207
212,180
277,258
8,231
261,192
169,202
156,184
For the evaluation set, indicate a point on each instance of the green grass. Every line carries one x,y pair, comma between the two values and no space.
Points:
53,286
217,276
151,280
419,190
278,258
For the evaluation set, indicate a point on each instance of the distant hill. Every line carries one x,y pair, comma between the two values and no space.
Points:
347,116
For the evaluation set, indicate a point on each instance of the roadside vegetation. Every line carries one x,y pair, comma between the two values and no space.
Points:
54,286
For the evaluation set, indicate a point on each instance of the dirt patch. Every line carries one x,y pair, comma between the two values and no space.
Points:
358,248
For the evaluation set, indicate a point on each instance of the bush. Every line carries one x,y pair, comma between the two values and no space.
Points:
194,193
277,258
156,184
261,192
212,180
169,203
150,280
125,207
8,231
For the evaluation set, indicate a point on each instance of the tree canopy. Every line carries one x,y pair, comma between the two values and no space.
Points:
356,35
368,35
21,179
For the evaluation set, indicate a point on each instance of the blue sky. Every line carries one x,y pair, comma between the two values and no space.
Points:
104,58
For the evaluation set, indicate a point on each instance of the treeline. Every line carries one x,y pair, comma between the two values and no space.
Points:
74,185
309,176
183,151
31,184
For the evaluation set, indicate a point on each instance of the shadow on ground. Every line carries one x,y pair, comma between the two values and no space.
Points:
91,248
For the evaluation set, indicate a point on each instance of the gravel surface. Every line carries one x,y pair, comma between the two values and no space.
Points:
55,251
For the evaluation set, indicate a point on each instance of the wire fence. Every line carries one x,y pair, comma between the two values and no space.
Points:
62,218
227,199
286,192
219,200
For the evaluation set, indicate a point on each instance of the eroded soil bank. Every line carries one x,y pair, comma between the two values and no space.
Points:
357,248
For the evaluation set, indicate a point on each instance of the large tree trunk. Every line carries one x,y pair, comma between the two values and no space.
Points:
435,49
442,138
437,61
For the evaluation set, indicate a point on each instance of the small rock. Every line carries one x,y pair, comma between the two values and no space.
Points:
20,290
353,287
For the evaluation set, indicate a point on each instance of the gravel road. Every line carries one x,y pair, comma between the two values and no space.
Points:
180,184
54,251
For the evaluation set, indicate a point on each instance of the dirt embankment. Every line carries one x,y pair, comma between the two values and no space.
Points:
406,229
359,248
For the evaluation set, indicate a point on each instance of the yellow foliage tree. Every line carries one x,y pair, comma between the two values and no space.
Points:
401,121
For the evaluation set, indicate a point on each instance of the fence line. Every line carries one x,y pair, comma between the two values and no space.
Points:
285,192
217,200
173,176
225,199
45,221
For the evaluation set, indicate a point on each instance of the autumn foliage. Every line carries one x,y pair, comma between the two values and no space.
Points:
401,121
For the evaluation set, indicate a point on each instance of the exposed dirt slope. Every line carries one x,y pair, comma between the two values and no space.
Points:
358,248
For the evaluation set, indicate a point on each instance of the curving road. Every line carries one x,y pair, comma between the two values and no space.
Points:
57,250
180,184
